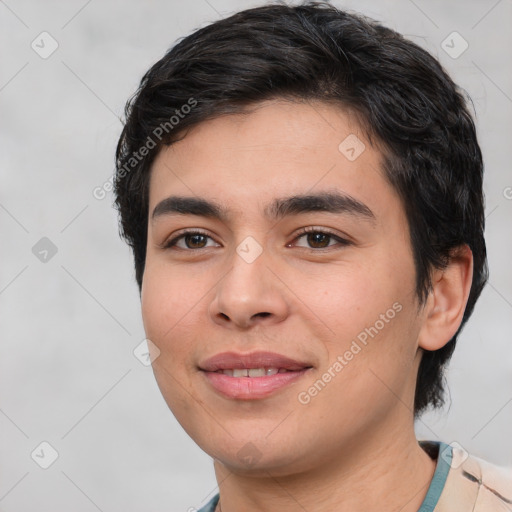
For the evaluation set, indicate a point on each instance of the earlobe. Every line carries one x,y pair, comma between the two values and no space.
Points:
447,301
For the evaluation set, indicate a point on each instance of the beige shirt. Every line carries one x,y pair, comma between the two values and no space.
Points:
474,485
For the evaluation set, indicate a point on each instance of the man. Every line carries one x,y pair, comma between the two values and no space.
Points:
302,190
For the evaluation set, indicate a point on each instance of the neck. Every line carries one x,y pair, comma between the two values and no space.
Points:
358,479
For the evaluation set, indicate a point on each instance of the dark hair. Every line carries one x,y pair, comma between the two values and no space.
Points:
405,101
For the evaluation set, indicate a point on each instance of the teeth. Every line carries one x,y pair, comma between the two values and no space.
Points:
252,372
257,372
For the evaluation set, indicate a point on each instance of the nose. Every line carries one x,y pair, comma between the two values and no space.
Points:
249,294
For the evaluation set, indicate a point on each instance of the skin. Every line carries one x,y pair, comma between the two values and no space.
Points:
356,435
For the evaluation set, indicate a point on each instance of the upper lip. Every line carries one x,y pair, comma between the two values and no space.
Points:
234,360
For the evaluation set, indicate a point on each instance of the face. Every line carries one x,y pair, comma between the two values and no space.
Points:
279,288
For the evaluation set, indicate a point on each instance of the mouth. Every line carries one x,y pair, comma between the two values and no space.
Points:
252,372
251,376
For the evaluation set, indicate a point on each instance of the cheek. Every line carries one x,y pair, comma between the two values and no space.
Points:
346,298
171,303
370,369
370,317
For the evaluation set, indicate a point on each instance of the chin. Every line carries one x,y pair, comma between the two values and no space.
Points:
257,454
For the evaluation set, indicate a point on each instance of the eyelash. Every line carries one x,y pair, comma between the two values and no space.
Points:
305,231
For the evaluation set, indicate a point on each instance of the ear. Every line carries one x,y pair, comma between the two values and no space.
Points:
447,301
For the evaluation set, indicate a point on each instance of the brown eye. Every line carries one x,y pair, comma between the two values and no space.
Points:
191,240
318,240
196,241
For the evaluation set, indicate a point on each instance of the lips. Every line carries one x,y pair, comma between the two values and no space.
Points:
233,361
251,376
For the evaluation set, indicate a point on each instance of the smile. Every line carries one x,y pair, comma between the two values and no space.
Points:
252,372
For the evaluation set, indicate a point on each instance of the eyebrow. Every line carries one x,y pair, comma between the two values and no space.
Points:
331,202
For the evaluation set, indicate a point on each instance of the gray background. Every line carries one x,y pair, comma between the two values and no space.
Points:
68,375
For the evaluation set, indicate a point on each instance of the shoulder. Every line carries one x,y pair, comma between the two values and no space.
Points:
476,485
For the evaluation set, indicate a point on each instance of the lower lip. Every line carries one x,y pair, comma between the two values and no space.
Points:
252,388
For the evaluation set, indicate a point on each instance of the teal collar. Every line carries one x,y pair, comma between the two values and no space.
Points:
443,453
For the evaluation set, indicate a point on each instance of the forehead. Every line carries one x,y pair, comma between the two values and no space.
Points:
278,149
